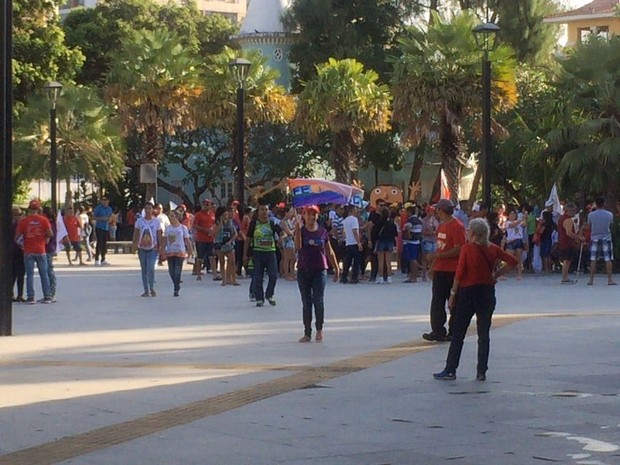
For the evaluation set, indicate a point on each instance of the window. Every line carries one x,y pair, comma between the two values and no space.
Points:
600,31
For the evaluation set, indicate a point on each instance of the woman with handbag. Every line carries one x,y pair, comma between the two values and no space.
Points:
473,293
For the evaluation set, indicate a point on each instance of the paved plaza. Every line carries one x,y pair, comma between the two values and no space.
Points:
106,377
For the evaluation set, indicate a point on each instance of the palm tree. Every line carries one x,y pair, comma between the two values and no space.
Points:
154,82
437,85
346,101
88,139
265,100
591,80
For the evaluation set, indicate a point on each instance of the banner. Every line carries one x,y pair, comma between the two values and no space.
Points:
317,191
554,199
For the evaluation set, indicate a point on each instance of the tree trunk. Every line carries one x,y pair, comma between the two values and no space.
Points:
475,184
69,194
343,160
449,162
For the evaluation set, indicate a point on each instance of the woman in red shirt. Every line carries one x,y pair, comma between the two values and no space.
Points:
474,283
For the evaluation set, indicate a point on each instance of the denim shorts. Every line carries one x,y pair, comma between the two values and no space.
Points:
515,245
384,246
428,246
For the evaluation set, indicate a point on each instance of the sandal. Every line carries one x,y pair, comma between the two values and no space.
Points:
319,336
305,339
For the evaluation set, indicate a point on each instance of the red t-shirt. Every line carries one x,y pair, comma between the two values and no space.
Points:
477,262
72,223
34,229
449,235
204,219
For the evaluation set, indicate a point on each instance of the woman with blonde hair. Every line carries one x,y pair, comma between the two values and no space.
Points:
473,293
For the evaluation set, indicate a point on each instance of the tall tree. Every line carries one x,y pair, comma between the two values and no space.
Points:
39,50
365,30
591,75
154,82
88,138
102,30
437,85
347,102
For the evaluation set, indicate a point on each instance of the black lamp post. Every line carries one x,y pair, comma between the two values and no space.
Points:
486,39
240,68
6,167
53,90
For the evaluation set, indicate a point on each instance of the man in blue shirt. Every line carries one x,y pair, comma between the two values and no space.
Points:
101,215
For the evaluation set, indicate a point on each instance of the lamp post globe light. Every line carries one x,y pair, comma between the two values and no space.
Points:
53,90
240,68
486,39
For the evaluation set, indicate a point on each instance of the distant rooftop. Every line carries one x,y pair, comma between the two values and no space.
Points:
594,9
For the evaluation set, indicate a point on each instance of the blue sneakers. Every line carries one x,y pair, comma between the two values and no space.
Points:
445,376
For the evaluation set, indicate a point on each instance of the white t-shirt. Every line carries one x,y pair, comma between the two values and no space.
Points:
147,240
164,220
514,230
350,224
175,239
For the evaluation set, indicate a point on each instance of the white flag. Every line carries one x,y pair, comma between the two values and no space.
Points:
61,232
554,199
173,206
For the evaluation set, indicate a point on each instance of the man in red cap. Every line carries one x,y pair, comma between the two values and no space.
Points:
35,231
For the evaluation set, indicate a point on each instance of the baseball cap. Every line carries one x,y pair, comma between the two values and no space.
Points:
312,208
445,205
182,207
34,205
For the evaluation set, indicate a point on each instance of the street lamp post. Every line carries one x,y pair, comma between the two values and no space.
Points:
6,168
239,69
53,90
486,38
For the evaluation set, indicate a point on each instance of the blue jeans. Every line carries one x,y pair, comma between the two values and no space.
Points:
312,289
175,267
51,273
264,261
148,259
41,260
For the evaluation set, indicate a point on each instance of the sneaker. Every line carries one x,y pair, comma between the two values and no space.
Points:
319,336
445,376
272,301
46,300
145,294
304,339
388,280
30,301
481,377
97,263
260,303
379,281
176,294
153,293
434,337
252,298
105,263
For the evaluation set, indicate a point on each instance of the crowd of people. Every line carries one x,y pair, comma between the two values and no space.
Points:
462,252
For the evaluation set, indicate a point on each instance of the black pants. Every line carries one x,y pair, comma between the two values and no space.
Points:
353,257
312,289
442,283
102,243
476,300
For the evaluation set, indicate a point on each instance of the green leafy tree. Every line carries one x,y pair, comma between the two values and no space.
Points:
437,86
265,100
88,139
364,30
154,83
591,75
40,53
347,102
99,32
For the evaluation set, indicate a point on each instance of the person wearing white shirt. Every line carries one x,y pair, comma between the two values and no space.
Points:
353,245
147,240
